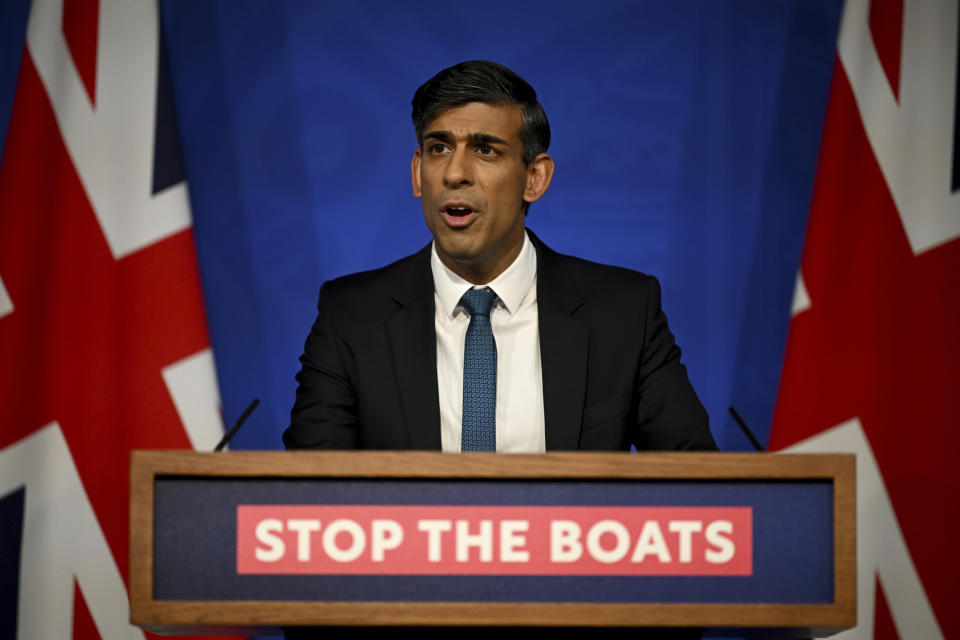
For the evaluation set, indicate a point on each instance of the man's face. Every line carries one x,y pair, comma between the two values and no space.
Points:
473,183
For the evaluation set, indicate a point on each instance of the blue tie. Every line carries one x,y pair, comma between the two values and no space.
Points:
479,374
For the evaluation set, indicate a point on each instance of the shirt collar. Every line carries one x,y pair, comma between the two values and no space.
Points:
511,286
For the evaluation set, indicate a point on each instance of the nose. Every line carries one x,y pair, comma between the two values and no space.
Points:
458,170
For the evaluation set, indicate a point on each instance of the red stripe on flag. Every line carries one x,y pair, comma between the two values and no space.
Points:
80,26
883,627
84,627
886,28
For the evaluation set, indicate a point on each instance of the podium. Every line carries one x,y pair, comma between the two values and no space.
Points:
254,542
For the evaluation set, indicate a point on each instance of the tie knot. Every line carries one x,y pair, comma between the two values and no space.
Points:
478,301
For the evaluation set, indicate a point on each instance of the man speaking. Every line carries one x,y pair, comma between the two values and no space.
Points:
486,339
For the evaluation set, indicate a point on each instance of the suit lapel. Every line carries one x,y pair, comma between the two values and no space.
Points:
413,345
563,351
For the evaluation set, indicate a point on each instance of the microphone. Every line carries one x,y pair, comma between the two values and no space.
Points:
743,426
236,425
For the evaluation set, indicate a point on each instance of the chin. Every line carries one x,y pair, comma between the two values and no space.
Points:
456,240
459,253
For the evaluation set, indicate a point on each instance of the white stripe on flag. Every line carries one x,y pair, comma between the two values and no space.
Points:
192,383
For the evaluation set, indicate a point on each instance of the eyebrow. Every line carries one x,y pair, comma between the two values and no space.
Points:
473,138
485,138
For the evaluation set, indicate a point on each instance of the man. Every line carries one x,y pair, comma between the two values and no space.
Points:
487,339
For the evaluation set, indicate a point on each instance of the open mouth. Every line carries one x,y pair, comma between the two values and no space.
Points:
458,215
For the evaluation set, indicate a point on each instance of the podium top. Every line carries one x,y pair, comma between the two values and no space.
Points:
434,464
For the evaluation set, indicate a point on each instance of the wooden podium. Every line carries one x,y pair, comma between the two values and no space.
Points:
253,542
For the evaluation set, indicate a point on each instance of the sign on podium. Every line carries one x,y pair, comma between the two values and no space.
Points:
255,542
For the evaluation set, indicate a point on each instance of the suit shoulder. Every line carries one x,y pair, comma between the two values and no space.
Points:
595,279
368,290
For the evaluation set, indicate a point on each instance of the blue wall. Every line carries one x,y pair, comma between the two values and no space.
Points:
686,137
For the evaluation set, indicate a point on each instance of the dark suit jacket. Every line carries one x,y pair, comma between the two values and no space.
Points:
612,375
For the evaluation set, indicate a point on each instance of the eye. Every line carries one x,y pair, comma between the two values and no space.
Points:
486,150
437,148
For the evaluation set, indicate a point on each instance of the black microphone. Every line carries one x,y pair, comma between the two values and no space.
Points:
236,425
743,426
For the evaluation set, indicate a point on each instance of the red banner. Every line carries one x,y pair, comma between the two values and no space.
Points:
494,540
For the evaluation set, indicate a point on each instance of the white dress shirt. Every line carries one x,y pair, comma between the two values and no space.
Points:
520,423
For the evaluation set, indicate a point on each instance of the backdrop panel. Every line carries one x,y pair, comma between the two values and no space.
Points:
685,137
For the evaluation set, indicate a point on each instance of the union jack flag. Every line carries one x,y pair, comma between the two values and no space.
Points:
873,355
103,339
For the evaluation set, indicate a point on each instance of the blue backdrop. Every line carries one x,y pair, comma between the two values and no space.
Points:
685,136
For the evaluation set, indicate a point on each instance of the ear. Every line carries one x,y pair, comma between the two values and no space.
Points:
539,175
415,173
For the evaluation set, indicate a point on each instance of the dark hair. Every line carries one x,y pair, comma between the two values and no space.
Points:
489,83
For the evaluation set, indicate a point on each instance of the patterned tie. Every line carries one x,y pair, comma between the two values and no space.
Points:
479,374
